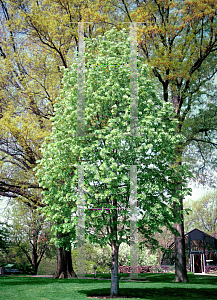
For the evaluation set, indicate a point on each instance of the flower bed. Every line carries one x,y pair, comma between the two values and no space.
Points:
161,269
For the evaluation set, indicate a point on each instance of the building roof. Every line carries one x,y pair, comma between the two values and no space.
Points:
195,234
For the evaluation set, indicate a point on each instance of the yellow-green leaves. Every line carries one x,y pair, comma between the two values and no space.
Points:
108,149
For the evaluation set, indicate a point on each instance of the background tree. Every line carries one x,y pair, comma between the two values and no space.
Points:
37,38
179,42
202,214
101,256
165,238
32,234
108,149
10,252
4,241
145,257
94,255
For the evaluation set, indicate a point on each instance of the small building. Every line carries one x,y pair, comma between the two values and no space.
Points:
200,251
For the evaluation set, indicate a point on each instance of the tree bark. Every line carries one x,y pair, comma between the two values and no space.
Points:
179,241
64,264
114,271
34,260
34,251
180,258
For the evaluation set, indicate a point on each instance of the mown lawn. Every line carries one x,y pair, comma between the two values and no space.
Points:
160,286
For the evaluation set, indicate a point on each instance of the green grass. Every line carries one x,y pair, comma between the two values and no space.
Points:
161,286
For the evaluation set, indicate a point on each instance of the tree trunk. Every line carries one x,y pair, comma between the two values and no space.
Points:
114,271
34,251
64,264
180,258
35,260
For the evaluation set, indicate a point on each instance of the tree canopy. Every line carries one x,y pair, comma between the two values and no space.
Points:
108,149
177,39
179,42
37,38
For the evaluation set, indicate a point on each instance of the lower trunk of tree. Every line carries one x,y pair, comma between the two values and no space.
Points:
64,264
114,271
34,251
35,261
180,258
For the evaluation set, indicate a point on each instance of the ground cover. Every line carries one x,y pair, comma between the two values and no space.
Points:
159,286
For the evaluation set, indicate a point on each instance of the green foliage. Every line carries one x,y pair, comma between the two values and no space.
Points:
108,148
48,267
94,255
16,255
5,243
145,257
202,213
4,236
37,38
28,236
24,268
178,40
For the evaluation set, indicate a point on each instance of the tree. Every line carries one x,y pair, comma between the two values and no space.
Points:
165,238
179,42
101,257
202,213
4,237
37,38
145,257
30,83
108,150
31,235
94,255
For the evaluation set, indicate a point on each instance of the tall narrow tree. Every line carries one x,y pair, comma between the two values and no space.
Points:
108,151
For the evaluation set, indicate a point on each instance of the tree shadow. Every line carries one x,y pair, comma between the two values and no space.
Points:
156,293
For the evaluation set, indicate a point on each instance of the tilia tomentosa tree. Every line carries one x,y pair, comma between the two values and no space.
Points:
108,150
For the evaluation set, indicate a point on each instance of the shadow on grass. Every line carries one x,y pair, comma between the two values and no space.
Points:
193,279
151,277
157,293
160,286
166,277
199,287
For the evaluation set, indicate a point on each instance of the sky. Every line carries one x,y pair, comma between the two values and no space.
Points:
3,204
198,192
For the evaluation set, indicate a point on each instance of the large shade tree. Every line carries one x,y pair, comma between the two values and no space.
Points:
178,40
108,150
36,39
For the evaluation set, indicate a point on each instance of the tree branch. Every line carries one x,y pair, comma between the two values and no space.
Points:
127,10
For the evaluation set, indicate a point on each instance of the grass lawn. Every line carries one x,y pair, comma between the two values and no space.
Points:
160,286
